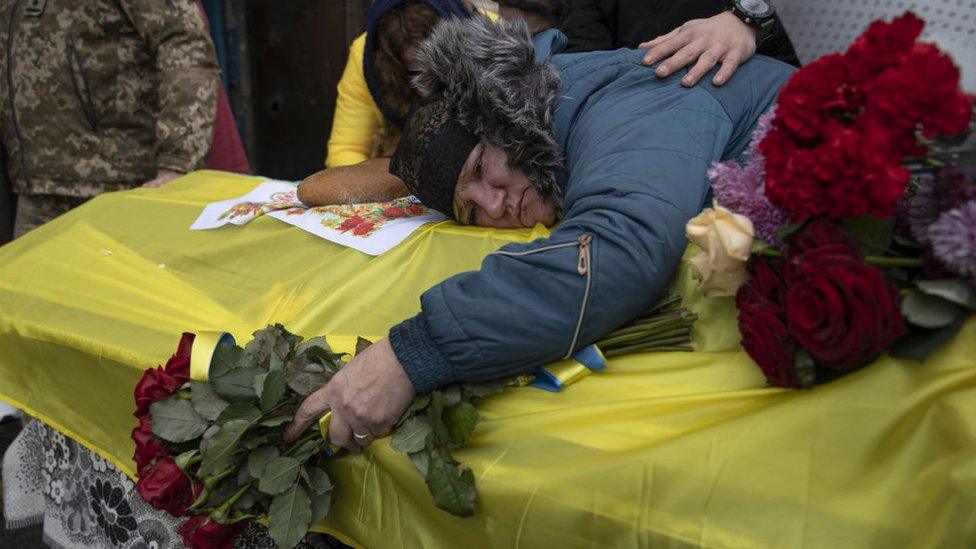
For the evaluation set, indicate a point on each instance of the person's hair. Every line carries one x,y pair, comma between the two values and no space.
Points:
403,26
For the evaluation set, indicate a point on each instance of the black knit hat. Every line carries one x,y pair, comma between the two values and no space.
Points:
432,150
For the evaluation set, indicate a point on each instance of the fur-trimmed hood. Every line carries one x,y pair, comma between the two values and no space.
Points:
487,72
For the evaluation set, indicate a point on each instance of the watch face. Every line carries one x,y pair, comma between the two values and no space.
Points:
755,8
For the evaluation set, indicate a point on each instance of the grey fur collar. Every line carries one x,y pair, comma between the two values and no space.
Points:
488,74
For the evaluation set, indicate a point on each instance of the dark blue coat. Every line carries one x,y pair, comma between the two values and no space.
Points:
637,150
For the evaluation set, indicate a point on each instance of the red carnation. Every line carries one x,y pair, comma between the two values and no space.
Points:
165,487
148,447
201,532
883,45
155,385
817,93
922,92
762,322
840,309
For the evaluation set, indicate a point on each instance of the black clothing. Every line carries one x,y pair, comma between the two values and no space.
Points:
611,24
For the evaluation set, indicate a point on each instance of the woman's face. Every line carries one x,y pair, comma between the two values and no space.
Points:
490,193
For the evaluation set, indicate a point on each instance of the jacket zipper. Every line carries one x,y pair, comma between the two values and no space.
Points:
11,27
583,267
82,92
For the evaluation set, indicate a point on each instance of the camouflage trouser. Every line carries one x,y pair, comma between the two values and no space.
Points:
34,210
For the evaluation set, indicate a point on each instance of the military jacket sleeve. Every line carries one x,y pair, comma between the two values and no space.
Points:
187,70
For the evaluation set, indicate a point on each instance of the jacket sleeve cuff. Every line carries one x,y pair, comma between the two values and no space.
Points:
418,353
175,164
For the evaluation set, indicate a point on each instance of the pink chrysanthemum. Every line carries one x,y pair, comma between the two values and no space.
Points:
953,239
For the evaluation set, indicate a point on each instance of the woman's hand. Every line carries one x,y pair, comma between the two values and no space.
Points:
723,39
367,398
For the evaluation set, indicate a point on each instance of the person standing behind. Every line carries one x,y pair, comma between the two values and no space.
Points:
699,34
99,96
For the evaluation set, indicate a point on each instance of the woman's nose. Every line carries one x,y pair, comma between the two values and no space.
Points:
491,199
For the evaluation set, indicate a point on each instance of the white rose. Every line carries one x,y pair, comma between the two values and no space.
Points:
724,240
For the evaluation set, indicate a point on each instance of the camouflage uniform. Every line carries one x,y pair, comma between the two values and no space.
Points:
97,95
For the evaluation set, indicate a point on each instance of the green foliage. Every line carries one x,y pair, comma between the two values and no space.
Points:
205,400
289,517
278,475
175,420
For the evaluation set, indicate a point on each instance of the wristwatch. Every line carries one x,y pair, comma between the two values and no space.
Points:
758,14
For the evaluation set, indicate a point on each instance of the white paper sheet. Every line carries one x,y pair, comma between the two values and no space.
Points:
371,228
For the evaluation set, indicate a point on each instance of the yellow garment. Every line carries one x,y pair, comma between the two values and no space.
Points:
659,450
357,119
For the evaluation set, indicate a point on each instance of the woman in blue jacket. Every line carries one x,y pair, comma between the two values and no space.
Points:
510,134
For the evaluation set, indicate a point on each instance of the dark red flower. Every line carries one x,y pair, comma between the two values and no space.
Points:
839,308
148,447
178,365
883,45
819,233
165,487
922,92
201,532
155,385
817,93
394,212
762,322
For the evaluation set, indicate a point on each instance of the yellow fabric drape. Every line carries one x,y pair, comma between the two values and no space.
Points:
659,450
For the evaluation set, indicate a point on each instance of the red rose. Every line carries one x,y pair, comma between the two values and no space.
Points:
362,228
148,447
179,364
883,45
155,385
394,212
818,233
165,487
201,532
762,322
840,309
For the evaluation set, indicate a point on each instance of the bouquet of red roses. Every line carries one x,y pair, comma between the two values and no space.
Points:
850,229
213,450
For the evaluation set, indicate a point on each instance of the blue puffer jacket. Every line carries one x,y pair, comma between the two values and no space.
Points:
637,149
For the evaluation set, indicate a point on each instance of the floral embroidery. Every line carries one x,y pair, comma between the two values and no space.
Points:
365,219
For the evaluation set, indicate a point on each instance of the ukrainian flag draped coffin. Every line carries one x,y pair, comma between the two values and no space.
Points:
660,449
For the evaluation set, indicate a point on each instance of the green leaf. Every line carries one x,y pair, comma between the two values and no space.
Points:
277,420
786,232
453,488
419,403
929,311
259,459
320,506
435,417
278,475
361,344
223,491
276,363
921,342
221,446
872,235
955,290
411,436
205,400
421,460
254,442
226,358
318,480
308,449
245,502
806,369
175,420
274,389
461,421
289,517
304,377
183,459
313,343
258,383
239,410
273,340
236,384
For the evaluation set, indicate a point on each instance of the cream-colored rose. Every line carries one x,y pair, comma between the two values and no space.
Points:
724,240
